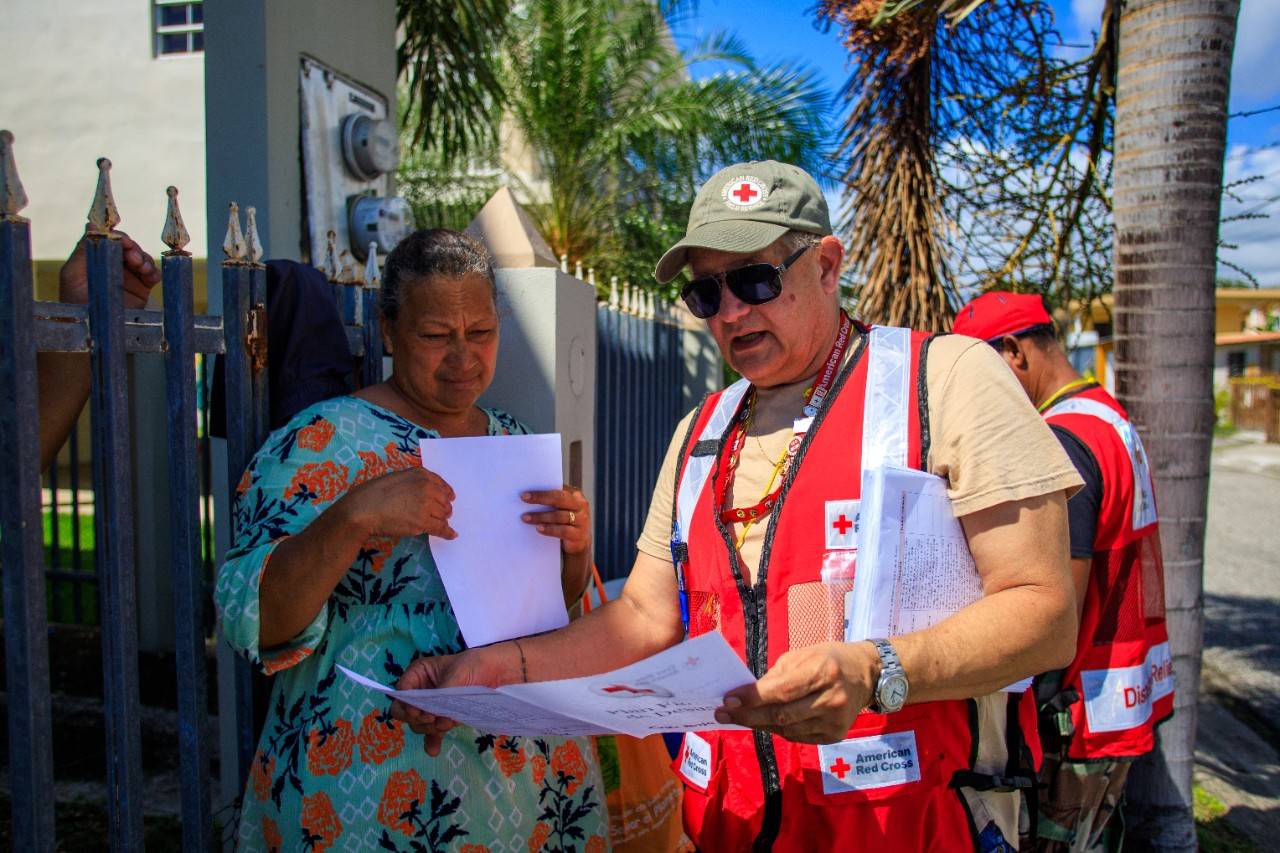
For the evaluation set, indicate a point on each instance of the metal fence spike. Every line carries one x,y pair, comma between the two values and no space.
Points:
591,276
577,271
613,292
103,216
175,234
233,244
347,269
372,276
253,245
330,268
564,264
12,196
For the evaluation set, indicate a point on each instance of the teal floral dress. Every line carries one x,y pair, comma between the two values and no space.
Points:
333,770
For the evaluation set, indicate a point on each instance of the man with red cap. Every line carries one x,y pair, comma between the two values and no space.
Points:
1101,712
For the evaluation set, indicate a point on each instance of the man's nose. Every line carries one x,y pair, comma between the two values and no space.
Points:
732,309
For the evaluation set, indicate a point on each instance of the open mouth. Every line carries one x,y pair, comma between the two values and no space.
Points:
747,341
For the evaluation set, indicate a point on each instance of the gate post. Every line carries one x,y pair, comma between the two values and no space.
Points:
26,639
113,526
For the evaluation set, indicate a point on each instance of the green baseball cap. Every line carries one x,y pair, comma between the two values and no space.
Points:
744,208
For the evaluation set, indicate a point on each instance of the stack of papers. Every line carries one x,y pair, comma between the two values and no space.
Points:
676,690
914,565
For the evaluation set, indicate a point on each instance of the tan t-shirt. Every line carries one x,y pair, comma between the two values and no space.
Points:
987,440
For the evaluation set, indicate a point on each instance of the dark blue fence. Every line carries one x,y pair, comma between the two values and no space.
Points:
640,377
108,332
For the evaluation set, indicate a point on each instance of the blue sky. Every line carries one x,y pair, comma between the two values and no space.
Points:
780,30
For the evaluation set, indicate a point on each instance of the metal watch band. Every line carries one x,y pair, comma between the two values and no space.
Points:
889,665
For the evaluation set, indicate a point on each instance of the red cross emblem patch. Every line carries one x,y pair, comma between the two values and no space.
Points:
840,524
743,192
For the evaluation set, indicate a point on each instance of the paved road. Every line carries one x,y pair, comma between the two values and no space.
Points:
1239,732
1242,580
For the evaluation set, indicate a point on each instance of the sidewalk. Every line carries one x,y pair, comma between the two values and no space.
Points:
1238,737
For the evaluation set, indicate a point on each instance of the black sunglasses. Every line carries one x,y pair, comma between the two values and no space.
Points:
754,284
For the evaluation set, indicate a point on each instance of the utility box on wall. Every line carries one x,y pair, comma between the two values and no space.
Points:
546,375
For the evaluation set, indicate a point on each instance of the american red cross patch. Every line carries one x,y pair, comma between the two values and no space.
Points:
840,524
744,191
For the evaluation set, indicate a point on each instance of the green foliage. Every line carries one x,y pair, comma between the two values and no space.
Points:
607,133
1213,832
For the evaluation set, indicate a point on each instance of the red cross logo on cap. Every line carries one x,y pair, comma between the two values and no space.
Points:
743,192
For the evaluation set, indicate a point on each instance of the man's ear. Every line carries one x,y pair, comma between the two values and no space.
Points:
831,258
1014,352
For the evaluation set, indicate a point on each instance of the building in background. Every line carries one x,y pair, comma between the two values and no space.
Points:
122,79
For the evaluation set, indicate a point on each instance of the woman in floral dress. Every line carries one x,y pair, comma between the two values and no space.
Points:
332,566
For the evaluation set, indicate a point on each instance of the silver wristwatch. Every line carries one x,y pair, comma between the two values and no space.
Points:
891,689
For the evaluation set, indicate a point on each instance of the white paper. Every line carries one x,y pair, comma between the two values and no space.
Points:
914,565
502,576
673,691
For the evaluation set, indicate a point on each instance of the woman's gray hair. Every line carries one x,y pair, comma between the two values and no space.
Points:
432,252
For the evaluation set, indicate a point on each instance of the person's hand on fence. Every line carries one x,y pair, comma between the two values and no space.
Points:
403,503
140,274
487,666
810,695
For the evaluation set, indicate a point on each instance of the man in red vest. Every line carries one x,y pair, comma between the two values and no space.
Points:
1101,712
897,743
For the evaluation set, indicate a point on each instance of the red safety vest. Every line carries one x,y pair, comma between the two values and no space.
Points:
934,776
1123,669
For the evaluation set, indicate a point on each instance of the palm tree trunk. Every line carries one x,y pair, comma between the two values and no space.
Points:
1171,122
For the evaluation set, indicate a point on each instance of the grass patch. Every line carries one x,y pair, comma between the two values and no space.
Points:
1213,832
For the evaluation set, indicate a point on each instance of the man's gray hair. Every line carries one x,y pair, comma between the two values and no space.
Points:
432,252
795,240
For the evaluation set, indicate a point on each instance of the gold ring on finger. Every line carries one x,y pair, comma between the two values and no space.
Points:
573,517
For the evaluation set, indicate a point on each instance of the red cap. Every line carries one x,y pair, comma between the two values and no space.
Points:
993,315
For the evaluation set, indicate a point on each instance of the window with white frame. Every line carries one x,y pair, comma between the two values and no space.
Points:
179,27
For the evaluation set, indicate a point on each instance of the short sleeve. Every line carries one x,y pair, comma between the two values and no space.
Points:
1083,508
655,538
290,481
988,440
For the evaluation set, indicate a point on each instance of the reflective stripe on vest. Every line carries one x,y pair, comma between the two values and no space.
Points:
1144,501
697,472
886,407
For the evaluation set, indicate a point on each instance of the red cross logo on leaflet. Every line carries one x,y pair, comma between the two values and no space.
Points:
840,768
842,524
745,193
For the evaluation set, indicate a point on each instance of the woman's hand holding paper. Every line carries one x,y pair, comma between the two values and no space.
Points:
404,503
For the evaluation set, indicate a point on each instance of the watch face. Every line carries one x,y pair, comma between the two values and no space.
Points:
893,693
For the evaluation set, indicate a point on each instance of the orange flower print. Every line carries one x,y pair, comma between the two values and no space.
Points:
567,761
330,751
539,766
246,480
261,774
541,832
315,436
595,844
272,664
271,835
473,848
510,757
380,738
320,822
397,459
323,481
404,788
376,550
373,467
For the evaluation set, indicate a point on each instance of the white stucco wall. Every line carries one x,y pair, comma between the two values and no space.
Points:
80,82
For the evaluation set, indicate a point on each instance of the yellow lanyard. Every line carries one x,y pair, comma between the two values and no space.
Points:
1070,386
